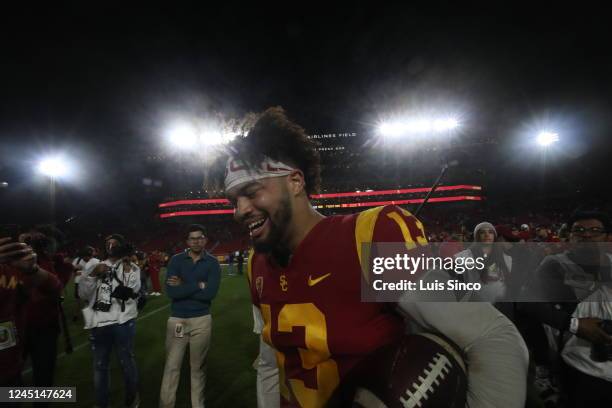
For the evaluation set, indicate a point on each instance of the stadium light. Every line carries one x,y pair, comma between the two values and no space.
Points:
53,167
183,137
216,137
547,138
418,126
391,129
194,134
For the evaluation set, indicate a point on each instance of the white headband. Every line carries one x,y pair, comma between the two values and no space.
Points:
237,173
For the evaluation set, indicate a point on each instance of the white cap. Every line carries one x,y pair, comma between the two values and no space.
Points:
484,225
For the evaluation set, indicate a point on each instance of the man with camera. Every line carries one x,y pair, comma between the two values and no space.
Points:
575,301
110,291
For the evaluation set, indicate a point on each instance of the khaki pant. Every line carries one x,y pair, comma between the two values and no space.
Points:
196,332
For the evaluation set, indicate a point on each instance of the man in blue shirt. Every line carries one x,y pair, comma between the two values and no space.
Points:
192,282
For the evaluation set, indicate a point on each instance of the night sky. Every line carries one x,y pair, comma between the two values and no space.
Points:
100,82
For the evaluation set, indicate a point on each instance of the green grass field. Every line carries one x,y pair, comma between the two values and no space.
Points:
230,375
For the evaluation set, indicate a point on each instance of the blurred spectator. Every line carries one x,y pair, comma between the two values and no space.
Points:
239,261
110,291
230,263
43,310
20,274
522,259
141,260
156,260
451,246
564,233
563,285
497,264
82,264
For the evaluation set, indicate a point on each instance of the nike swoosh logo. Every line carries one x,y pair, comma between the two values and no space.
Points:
312,282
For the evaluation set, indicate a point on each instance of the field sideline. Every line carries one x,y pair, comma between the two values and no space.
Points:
230,375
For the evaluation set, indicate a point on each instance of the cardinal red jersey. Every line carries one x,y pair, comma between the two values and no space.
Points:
312,308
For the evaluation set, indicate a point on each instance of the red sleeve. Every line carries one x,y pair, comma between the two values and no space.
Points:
385,232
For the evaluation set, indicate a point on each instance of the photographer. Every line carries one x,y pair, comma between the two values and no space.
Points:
110,290
19,275
577,306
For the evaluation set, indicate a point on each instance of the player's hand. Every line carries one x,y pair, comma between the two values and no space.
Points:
19,255
28,264
174,281
100,270
127,265
588,329
11,251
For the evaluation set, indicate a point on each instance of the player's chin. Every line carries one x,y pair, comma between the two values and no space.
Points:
265,242
262,245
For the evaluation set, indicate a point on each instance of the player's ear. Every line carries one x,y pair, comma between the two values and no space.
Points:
296,182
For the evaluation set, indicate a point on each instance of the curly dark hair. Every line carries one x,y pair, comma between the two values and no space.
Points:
274,135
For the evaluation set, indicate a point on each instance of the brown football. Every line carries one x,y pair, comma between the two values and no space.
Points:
421,370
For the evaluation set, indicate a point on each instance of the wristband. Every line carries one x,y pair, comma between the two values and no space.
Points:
573,327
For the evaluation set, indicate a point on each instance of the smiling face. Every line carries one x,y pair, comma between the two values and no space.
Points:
264,208
588,230
486,235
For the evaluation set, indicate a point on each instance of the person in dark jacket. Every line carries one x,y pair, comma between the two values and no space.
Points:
192,283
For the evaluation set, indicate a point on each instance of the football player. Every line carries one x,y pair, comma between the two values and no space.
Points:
306,271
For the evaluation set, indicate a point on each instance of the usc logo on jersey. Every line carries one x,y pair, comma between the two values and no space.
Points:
259,285
283,283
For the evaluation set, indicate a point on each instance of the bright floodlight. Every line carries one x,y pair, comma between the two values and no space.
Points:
547,138
391,129
418,126
216,137
183,137
53,167
451,123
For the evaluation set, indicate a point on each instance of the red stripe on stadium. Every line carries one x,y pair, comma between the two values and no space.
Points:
346,205
335,195
201,212
400,191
